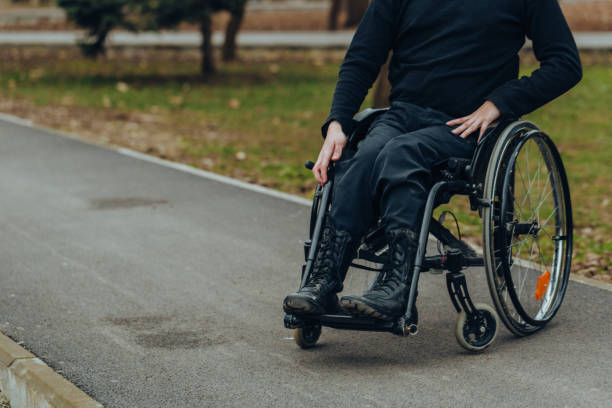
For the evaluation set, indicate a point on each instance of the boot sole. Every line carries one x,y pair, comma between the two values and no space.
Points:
360,308
302,306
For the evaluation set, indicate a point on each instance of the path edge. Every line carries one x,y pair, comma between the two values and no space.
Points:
124,151
30,383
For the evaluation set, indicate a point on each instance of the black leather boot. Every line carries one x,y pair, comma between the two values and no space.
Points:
318,296
387,298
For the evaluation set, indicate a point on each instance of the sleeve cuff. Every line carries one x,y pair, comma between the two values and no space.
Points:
347,125
505,110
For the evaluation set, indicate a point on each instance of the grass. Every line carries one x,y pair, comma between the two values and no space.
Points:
259,120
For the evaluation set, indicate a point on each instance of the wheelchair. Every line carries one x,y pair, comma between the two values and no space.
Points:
517,183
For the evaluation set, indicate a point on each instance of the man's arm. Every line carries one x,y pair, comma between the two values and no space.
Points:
560,68
367,52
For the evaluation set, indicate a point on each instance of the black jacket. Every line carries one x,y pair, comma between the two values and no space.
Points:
453,55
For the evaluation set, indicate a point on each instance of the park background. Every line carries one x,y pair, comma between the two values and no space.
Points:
254,112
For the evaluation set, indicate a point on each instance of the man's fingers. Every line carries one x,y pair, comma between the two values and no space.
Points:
483,129
470,130
320,168
461,128
323,168
316,172
457,121
481,118
337,152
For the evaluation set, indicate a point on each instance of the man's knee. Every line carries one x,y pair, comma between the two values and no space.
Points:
405,150
369,148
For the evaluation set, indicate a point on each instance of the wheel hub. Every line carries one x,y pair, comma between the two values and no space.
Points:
517,228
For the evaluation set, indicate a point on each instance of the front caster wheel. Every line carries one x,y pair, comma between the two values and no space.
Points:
307,336
480,332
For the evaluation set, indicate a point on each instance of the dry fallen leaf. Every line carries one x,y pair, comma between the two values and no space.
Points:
122,87
106,101
67,100
176,100
208,163
36,74
233,103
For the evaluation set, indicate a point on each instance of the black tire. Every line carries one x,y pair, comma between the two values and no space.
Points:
529,210
477,337
306,337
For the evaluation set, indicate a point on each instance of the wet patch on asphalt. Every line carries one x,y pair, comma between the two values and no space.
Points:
167,332
117,203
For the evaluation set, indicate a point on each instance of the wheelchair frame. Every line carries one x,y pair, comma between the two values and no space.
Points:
456,177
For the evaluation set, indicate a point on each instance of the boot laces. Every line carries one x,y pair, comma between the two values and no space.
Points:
328,259
392,270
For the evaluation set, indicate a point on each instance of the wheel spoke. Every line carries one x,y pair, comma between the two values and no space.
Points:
522,282
542,202
545,223
526,190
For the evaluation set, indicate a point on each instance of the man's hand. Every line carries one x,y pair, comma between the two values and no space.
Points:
481,118
331,150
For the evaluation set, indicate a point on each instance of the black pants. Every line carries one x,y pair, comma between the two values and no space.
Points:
390,173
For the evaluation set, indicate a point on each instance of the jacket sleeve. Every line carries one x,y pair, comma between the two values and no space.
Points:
555,49
367,52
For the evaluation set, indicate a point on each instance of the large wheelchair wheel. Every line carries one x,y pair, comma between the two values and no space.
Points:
527,228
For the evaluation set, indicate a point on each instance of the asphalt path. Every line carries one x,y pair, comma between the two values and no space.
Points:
245,39
151,287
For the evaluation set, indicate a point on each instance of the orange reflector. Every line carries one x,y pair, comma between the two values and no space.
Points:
542,285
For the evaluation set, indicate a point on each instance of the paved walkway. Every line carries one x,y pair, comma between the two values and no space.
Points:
268,39
151,287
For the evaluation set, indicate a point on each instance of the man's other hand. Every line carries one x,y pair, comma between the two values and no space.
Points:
331,150
480,119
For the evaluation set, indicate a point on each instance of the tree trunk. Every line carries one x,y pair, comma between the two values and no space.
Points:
334,12
355,9
383,87
231,32
208,62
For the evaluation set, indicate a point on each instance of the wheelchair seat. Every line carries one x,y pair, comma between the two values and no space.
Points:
453,168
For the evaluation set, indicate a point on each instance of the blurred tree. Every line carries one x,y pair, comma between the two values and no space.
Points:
231,31
101,16
169,13
354,9
334,13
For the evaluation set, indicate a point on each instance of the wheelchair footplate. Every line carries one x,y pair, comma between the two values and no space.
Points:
347,322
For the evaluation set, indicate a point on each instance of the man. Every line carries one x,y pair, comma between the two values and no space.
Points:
453,74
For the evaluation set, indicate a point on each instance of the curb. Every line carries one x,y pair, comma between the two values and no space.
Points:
28,382
591,282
